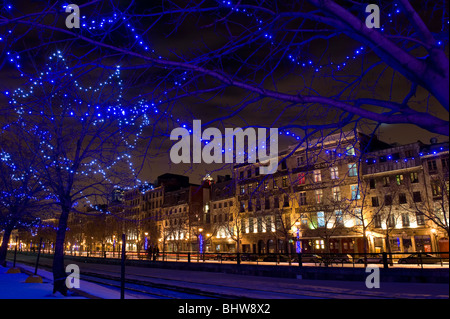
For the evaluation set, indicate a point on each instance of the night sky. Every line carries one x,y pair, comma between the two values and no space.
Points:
189,39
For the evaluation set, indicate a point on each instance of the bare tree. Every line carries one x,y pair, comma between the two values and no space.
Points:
82,143
22,192
258,47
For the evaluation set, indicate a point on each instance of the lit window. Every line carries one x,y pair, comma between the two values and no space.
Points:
334,172
399,179
320,244
350,151
352,170
355,192
284,181
338,215
319,195
336,193
321,219
358,217
301,178
302,199
317,176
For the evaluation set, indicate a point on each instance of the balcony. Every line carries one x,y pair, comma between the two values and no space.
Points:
380,167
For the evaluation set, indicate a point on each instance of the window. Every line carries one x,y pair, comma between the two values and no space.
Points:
358,217
350,151
283,165
286,201
304,221
320,244
301,178
258,204
336,193
402,198
391,221
284,181
375,202
352,170
436,189
444,162
317,176
386,181
302,199
387,199
334,172
249,173
250,188
269,224
300,160
318,194
399,179
414,177
260,225
266,185
331,154
355,192
377,221
405,220
256,171
242,208
417,198
372,184
320,219
276,202
275,183
241,175
242,187
250,206
267,203
432,166
409,153
420,219
338,216
250,225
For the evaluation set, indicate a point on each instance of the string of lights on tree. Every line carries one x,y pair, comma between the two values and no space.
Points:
96,26
78,108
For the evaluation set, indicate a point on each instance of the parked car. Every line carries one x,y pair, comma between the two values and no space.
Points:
309,258
372,259
338,259
416,259
227,256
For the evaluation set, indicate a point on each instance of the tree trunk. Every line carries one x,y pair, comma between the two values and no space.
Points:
59,272
365,244
4,248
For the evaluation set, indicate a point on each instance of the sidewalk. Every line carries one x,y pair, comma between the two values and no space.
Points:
13,286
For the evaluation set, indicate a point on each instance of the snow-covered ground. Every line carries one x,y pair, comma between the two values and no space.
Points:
13,286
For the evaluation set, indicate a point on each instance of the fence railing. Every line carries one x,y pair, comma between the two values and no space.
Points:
386,260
